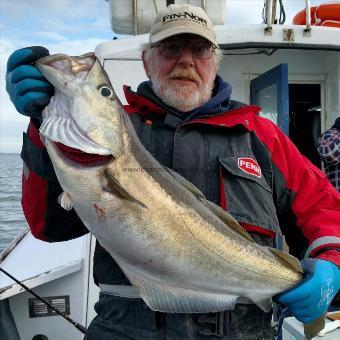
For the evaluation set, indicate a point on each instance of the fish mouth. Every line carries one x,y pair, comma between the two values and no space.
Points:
81,157
67,64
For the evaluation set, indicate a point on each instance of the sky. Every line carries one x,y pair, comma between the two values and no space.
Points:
75,27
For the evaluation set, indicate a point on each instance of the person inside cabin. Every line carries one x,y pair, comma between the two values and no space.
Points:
186,118
328,147
329,151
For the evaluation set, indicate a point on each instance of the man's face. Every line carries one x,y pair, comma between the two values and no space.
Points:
182,70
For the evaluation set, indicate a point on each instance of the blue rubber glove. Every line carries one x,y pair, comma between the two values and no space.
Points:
28,89
311,298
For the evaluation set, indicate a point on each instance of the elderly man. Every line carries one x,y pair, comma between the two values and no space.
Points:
186,119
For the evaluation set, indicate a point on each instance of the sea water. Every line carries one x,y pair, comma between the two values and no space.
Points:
12,220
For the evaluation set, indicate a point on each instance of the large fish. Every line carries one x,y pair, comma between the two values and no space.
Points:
181,252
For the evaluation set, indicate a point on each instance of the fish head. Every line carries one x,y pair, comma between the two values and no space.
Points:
84,112
66,72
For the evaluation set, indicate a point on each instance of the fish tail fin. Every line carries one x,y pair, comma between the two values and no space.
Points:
313,328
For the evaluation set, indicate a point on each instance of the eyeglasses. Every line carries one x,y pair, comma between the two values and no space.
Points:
174,49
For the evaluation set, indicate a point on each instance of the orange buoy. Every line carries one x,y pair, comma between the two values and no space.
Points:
300,17
327,14
328,11
330,23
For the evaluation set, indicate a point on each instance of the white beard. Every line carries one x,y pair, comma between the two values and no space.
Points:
183,98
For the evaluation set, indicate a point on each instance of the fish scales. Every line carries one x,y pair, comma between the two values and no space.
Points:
199,230
202,231
181,252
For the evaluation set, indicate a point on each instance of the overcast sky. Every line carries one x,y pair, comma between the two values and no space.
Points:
75,27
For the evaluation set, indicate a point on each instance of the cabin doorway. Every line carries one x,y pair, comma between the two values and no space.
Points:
305,119
295,107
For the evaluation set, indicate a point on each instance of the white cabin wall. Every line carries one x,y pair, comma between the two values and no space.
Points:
332,90
54,327
125,72
304,66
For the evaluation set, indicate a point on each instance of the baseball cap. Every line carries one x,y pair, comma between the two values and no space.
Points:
182,19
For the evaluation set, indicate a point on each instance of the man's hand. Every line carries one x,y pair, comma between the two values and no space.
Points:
311,298
28,89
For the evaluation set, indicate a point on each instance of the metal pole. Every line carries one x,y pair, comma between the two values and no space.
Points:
66,317
273,12
135,26
269,12
308,18
269,6
203,4
307,31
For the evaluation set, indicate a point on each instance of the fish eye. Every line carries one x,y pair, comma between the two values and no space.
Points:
106,92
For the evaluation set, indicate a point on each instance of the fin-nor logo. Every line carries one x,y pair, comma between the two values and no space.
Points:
249,166
184,16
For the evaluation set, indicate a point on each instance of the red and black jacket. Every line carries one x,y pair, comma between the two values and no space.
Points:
237,159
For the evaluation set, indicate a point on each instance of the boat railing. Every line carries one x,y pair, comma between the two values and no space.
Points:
270,9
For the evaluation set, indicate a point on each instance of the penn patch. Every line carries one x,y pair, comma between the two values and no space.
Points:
249,166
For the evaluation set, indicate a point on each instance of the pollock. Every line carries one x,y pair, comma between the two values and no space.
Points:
180,252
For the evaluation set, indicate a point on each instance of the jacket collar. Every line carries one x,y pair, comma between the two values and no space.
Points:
241,116
238,116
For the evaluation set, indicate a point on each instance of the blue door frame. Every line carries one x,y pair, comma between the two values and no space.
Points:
278,76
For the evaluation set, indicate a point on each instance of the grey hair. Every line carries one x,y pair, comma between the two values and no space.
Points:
147,48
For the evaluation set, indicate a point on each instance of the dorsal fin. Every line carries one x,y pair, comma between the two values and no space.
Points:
291,260
188,185
216,209
227,219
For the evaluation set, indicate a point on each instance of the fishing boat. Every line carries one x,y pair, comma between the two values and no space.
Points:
291,70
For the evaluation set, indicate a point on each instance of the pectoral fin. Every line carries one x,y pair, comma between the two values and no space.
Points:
65,201
111,185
